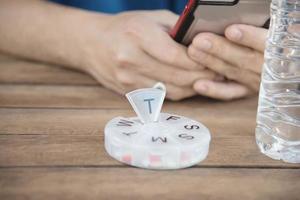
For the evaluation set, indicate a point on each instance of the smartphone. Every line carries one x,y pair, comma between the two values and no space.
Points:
214,16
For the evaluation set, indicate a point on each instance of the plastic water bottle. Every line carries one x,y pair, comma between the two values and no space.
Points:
278,119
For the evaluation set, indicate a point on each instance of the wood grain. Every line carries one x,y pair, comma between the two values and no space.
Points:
28,72
124,183
87,122
51,144
35,137
49,96
62,150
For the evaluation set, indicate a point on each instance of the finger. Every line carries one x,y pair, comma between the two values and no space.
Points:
237,55
172,75
110,84
244,76
221,90
176,93
130,80
249,36
122,81
162,47
146,65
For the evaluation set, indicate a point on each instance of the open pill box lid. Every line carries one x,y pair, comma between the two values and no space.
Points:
156,140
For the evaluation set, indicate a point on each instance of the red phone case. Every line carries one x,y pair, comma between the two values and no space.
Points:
188,10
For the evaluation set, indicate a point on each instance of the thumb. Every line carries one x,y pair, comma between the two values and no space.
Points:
246,35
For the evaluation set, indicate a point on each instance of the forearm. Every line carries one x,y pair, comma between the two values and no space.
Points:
48,32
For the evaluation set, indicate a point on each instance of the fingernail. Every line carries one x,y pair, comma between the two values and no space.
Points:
204,44
235,33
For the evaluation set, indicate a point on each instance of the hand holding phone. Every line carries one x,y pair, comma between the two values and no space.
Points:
214,16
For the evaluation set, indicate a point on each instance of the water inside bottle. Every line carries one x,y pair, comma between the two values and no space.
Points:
278,119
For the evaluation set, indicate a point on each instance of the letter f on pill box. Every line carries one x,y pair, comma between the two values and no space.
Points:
155,140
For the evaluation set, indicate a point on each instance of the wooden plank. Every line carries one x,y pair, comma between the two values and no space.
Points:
36,137
130,183
88,122
59,96
29,72
62,150
46,96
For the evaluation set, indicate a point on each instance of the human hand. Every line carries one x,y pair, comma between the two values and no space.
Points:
134,50
238,56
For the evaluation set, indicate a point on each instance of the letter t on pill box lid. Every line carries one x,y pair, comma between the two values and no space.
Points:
155,140
147,102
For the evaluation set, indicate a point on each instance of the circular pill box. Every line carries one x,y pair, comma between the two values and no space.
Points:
172,142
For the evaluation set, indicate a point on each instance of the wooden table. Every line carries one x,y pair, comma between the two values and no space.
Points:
51,144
